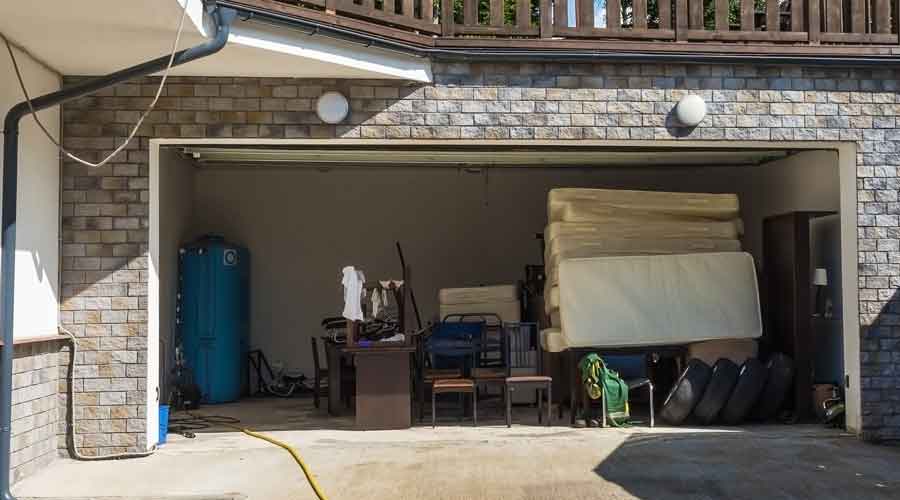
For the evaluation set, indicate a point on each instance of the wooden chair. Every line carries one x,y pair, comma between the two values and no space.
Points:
455,386
460,342
542,384
319,373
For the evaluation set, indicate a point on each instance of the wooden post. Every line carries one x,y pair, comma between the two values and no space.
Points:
561,13
331,7
447,18
546,20
523,14
748,19
665,16
773,17
585,12
814,27
613,15
681,20
881,16
639,15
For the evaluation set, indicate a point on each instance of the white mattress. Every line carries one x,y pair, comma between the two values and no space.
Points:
479,294
658,300
607,201
574,248
626,227
552,340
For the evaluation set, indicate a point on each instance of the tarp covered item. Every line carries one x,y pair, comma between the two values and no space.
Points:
658,300
638,228
606,201
735,350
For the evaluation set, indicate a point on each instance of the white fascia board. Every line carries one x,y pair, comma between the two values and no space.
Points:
319,48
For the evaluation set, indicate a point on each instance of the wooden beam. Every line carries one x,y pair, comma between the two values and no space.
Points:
561,14
797,13
722,23
681,20
523,13
447,17
585,9
665,14
773,17
613,14
639,14
814,24
496,12
881,16
546,19
748,19
470,12
696,14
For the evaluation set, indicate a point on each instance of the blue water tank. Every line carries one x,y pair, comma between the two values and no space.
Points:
213,321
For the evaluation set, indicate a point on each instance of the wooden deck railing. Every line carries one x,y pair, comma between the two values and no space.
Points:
835,22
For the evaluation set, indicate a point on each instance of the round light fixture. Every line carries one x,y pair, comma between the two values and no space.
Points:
691,110
332,107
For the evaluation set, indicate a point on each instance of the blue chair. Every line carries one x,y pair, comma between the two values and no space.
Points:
452,348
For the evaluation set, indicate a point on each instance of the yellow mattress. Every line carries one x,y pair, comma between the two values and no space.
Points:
603,202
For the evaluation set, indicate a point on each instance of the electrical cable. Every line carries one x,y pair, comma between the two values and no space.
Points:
70,417
137,125
310,478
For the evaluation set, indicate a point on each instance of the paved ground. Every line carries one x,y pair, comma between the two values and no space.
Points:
489,462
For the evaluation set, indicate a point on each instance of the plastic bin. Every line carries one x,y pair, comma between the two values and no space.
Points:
163,423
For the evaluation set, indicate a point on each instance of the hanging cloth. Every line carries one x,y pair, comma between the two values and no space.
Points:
353,293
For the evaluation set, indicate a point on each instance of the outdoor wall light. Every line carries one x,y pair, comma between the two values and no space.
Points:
332,107
690,110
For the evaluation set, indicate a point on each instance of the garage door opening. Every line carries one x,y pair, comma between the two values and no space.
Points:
467,215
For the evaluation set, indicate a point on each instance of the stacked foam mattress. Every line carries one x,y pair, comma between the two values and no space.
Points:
635,268
502,300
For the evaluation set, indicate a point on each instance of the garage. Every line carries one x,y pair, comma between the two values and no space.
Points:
469,215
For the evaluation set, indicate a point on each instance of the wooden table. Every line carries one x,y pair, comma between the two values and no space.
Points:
383,374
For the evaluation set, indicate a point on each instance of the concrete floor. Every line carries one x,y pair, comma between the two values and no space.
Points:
456,461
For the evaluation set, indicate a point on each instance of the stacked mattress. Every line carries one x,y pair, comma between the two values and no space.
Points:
502,300
633,268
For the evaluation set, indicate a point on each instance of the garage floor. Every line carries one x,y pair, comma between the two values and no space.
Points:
456,461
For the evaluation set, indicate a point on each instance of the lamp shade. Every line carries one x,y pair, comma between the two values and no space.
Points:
820,277
332,107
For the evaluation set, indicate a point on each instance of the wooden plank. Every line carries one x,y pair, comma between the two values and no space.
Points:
722,15
814,22
561,14
331,6
496,12
797,16
681,20
773,18
573,33
881,16
613,14
585,9
833,16
523,14
665,14
860,38
639,14
695,14
857,16
546,19
487,30
389,7
427,11
447,17
470,12
748,21
748,36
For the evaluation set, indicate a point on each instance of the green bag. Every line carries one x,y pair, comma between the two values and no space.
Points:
597,378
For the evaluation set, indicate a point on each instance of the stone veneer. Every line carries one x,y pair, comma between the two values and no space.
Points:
37,407
105,210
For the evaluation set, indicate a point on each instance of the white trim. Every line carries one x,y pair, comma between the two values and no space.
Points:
847,173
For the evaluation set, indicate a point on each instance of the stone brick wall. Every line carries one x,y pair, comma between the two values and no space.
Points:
105,220
36,410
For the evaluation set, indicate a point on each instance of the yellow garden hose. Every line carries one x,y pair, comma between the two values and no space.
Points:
281,444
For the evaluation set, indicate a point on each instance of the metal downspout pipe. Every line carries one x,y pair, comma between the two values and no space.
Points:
223,18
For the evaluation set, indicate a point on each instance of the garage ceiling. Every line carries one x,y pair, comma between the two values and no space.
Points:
224,157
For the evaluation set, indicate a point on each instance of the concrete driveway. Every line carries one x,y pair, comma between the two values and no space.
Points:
490,462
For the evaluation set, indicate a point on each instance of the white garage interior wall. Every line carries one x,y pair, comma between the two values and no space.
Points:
37,230
458,227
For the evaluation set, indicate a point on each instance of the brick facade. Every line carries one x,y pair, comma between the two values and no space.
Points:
36,405
105,210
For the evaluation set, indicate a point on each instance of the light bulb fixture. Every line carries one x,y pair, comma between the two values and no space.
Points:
690,110
332,107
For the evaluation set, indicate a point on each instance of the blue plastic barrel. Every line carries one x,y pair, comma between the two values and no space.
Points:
163,423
